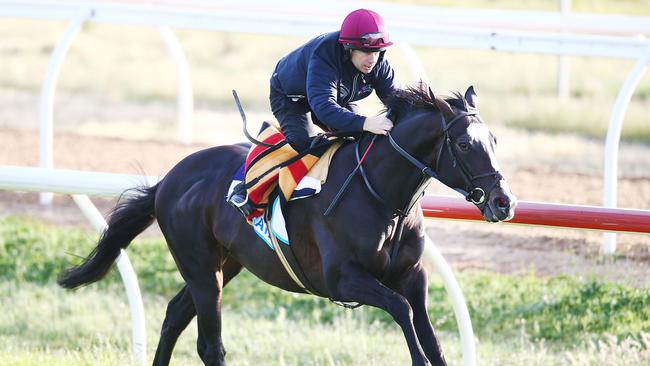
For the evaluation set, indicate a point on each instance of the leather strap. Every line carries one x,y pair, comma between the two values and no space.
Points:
283,259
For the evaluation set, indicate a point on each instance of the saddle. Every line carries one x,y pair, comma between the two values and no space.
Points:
279,171
275,173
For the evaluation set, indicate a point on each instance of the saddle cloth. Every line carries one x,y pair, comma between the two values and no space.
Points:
299,179
278,174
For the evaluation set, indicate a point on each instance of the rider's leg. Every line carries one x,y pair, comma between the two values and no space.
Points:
292,112
293,115
238,198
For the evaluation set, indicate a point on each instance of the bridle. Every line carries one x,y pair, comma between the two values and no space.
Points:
472,193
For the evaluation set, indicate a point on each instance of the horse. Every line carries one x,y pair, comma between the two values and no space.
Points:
353,254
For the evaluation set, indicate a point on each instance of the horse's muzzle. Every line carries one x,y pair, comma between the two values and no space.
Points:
500,205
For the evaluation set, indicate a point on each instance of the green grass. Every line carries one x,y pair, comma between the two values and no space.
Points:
543,320
92,327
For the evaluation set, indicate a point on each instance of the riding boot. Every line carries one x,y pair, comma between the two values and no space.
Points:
239,200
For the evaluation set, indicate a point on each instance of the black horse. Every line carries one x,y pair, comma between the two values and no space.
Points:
347,256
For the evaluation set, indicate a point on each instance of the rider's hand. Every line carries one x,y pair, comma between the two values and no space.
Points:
379,125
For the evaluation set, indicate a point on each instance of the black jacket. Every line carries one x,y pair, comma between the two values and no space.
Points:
322,71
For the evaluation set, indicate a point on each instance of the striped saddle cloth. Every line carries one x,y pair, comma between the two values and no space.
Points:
280,170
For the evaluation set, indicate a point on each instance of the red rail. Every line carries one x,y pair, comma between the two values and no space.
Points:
546,214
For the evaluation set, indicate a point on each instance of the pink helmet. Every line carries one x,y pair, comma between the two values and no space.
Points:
364,29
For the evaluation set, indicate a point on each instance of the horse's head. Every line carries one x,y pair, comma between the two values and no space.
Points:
463,156
466,158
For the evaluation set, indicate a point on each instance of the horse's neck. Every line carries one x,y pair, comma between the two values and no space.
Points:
394,177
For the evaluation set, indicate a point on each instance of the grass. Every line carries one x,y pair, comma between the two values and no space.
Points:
110,63
517,319
91,327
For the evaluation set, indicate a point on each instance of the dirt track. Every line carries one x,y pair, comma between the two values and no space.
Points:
501,247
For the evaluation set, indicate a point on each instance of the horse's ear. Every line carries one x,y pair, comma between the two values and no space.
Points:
433,97
470,97
444,107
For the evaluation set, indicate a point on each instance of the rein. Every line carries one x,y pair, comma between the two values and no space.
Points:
473,194
345,185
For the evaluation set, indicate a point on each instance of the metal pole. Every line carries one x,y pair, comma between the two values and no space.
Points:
414,62
457,299
129,279
563,63
545,214
48,89
185,96
612,142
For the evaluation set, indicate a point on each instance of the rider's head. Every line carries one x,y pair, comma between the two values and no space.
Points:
364,30
364,34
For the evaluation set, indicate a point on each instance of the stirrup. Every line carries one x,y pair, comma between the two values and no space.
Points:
239,200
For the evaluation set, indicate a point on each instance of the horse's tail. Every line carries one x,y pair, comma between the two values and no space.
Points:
128,219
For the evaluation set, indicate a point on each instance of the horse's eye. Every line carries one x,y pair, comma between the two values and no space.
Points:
464,146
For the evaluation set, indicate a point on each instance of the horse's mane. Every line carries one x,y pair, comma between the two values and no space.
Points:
402,101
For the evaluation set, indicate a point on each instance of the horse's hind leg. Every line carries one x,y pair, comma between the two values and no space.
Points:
206,289
199,259
231,268
180,311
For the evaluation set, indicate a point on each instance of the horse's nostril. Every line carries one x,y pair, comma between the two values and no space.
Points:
502,203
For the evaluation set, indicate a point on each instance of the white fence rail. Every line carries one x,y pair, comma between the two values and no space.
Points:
417,25
170,12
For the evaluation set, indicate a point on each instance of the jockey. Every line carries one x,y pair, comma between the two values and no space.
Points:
317,83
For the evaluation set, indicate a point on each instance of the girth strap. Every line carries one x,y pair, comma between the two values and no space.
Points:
297,276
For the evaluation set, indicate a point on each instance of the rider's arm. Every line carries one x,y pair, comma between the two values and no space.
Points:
322,76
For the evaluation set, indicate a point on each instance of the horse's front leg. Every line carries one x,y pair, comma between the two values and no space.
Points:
353,283
413,285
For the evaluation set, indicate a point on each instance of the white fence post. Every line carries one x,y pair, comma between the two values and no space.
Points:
129,279
185,95
414,62
563,63
48,91
612,142
457,300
